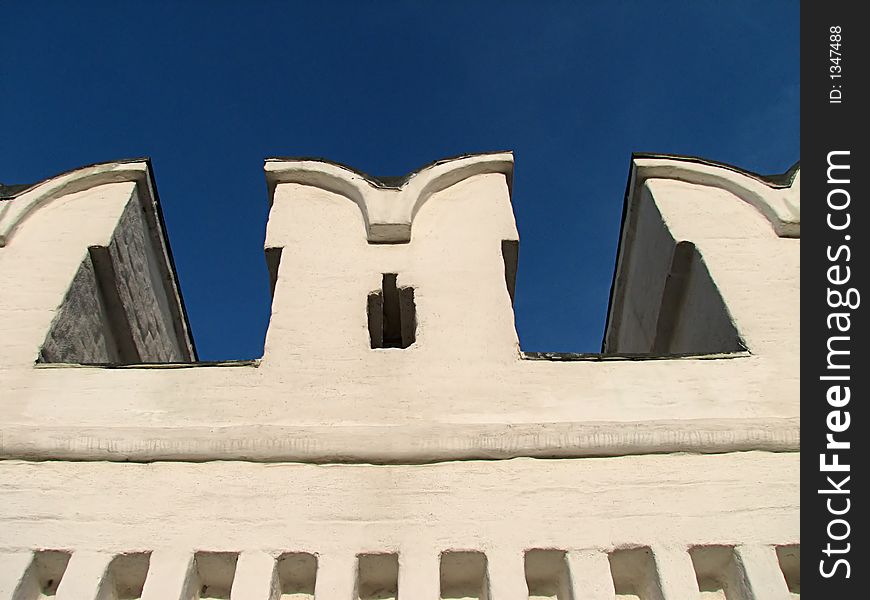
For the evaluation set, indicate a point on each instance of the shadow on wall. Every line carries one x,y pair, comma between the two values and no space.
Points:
123,307
95,326
631,572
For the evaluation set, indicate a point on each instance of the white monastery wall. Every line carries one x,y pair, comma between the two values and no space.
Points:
589,508
458,466
82,329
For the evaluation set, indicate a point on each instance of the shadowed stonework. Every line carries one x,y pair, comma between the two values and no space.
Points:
394,441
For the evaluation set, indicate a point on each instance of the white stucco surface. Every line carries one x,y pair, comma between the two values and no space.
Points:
618,466
462,388
499,508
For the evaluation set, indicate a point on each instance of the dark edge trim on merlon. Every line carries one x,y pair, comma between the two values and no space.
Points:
775,181
384,182
158,210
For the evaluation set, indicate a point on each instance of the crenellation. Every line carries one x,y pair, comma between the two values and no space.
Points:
394,441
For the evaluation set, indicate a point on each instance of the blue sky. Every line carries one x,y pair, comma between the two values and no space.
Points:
209,89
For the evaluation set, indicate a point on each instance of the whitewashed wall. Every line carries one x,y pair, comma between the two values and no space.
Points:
646,475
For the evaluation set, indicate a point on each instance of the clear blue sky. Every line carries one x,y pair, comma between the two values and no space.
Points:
209,89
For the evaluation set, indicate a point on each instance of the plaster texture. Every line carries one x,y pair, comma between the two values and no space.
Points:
138,279
500,510
81,328
59,224
665,469
84,329
463,389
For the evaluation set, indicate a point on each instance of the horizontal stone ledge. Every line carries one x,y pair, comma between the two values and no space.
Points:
522,356
399,444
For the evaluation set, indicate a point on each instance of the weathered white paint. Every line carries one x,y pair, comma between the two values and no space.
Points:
746,259
256,577
419,574
54,223
761,578
387,212
625,522
590,575
336,574
674,571
340,511
506,574
780,204
16,574
13,214
87,576
170,575
490,402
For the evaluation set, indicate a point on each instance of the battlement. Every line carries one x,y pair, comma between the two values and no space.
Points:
404,285
393,441
91,267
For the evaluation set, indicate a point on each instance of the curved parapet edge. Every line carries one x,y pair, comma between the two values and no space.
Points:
388,206
777,198
407,444
15,212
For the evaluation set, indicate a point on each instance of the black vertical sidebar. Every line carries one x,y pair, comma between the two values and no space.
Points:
835,223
